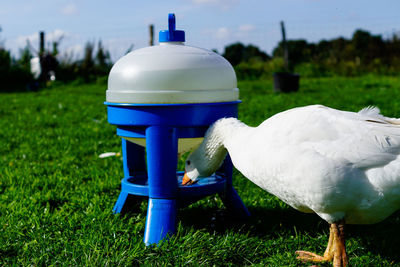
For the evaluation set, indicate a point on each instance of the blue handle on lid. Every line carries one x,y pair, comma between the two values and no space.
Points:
171,35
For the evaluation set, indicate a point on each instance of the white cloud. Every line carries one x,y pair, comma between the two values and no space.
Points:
69,9
246,28
65,40
53,36
226,34
119,46
222,33
21,41
57,35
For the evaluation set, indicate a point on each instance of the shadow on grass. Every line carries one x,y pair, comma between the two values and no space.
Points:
261,223
378,239
381,238
8,252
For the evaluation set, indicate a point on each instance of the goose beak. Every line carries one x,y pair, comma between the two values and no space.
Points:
186,180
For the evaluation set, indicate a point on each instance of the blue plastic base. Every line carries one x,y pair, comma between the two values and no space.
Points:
151,172
138,185
161,213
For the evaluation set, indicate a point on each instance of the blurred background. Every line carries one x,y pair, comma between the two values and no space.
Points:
45,40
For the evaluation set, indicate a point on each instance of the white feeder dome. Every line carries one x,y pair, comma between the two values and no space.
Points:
172,73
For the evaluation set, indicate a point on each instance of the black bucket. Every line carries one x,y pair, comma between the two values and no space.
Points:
286,82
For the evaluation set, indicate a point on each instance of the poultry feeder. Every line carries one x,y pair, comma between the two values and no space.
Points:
163,99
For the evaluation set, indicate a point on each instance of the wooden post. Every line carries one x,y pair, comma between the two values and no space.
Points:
151,30
42,77
285,47
41,43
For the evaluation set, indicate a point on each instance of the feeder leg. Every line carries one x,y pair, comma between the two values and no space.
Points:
162,157
161,220
119,205
230,197
134,163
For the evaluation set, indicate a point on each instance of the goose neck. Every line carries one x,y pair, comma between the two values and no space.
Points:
225,131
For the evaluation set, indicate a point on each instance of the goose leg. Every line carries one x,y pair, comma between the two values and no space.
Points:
340,255
336,249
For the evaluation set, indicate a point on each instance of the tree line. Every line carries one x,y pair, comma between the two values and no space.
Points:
360,54
16,73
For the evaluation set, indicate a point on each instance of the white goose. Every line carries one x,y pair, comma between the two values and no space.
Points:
344,166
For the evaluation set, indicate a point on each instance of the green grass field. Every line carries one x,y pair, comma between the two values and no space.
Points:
57,195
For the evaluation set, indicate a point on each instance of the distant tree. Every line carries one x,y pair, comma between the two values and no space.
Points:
25,58
393,47
102,60
360,41
1,40
252,52
299,51
338,49
55,51
5,61
102,56
12,75
88,63
236,53
366,46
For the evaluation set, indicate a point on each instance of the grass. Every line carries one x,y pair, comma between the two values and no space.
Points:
56,194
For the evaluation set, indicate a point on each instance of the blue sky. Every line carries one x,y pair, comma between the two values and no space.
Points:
210,24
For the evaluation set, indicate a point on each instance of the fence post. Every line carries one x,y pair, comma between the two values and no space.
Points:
285,47
151,30
41,43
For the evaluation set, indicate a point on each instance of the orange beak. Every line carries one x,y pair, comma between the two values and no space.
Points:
186,180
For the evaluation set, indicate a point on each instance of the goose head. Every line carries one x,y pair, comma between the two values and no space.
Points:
207,158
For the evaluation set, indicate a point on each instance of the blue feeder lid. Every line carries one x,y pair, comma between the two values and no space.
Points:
171,35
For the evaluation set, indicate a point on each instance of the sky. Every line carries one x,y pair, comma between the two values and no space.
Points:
210,24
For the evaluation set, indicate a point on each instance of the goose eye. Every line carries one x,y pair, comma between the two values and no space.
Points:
188,162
